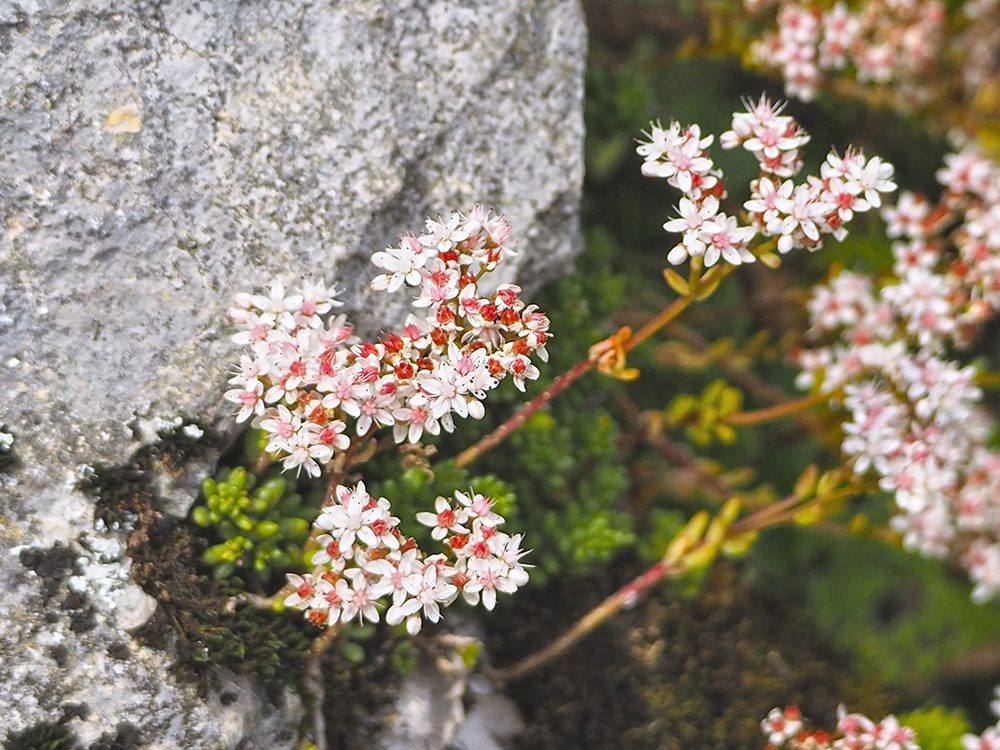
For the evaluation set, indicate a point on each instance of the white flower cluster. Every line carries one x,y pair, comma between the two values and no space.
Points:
363,558
884,41
798,215
854,732
305,378
913,416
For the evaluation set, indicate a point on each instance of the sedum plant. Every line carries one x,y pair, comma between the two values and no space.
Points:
321,394
326,401
263,527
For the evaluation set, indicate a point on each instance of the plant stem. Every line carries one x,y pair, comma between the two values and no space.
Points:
313,683
671,311
675,308
773,515
679,455
500,434
785,409
625,596
759,388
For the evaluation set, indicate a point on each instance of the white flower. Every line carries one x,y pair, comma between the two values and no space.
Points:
444,521
780,726
725,238
403,262
357,601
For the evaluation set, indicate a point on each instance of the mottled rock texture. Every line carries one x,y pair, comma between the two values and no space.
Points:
156,157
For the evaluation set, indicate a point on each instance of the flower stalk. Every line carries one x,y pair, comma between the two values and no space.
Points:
696,546
778,411
618,345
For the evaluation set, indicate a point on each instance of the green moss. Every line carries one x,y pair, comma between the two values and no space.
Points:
43,736
192,616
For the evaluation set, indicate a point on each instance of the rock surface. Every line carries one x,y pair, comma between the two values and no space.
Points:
155,158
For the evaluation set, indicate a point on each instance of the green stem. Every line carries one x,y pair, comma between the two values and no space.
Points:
785,409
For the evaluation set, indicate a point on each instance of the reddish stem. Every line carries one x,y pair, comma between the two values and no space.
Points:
624,597
500,433
666,315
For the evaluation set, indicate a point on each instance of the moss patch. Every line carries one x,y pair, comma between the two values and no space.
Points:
45,735
192,616
192,619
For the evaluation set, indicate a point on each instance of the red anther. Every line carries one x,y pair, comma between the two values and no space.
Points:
333,598
508,316
718,189
507,296
404,370
392,342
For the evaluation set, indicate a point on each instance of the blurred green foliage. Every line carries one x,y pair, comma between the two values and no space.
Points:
903,617
937,728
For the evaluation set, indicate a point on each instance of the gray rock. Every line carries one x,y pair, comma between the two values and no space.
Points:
491,724
155,158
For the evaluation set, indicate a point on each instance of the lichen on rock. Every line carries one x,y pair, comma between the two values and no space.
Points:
155,157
